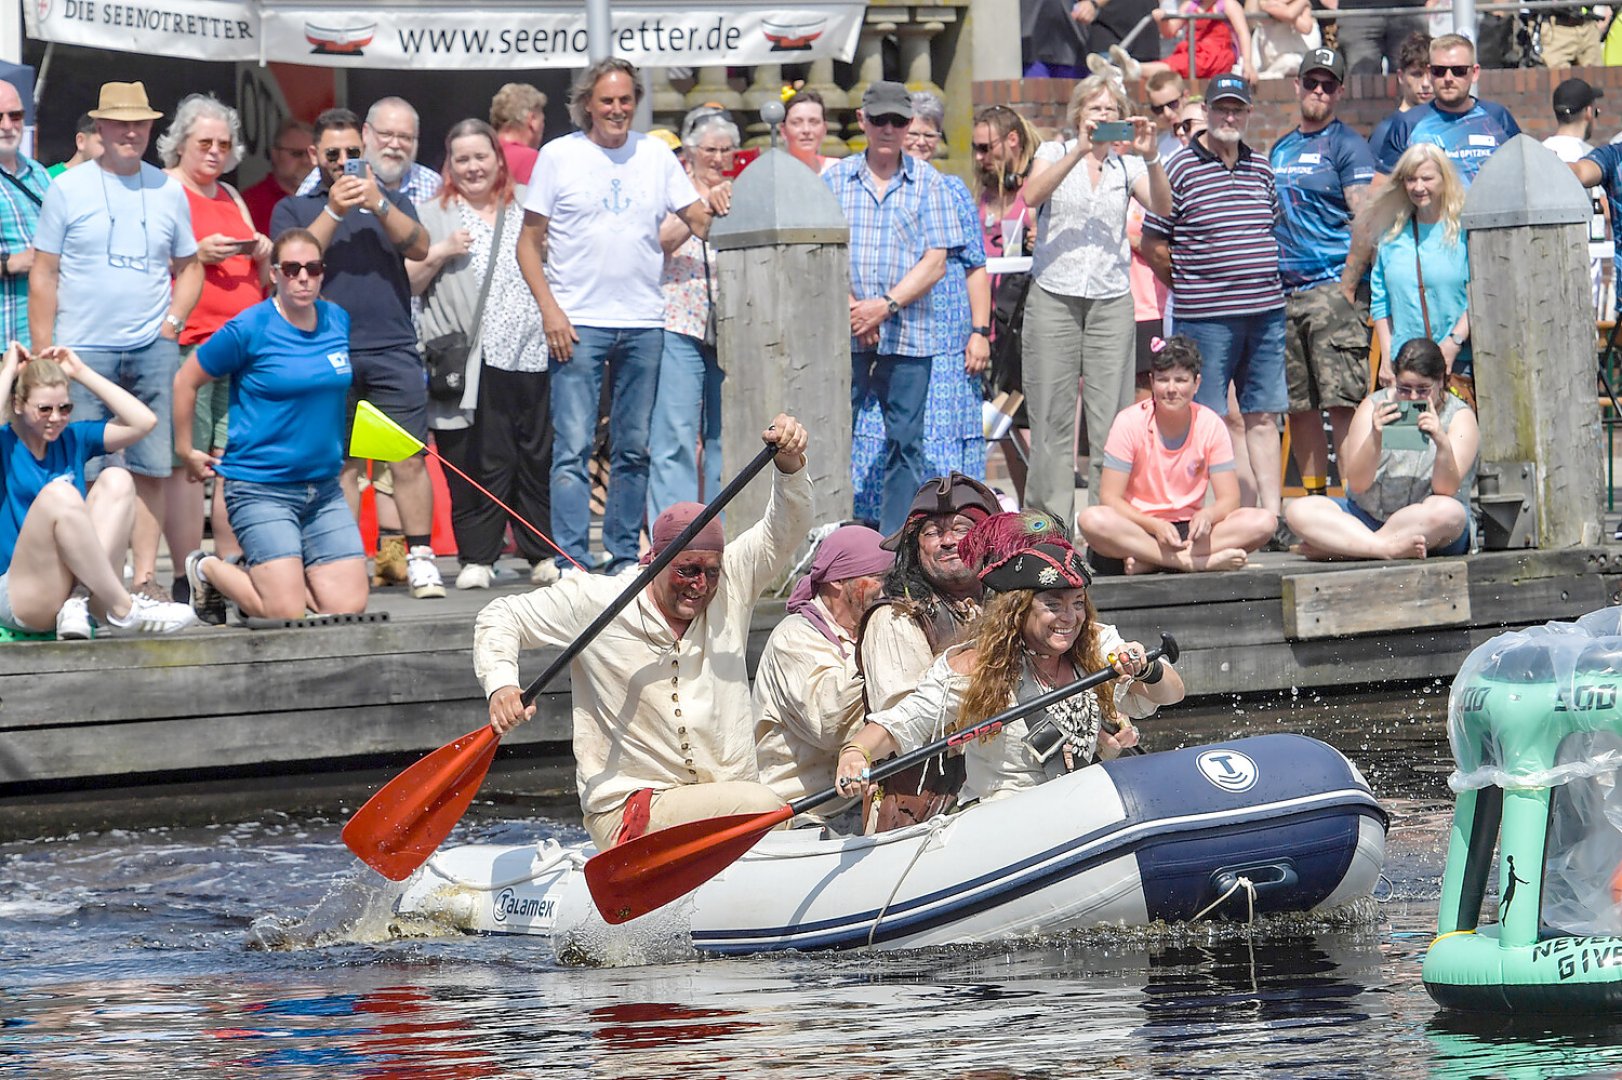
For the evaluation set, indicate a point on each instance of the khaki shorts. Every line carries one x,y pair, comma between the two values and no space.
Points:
1326,350
688,802
210,420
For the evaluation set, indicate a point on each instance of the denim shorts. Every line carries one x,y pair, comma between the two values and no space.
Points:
1459,546
310,522
1246,350
8,618
149,374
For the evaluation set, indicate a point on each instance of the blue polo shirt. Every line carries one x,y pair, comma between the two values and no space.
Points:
366,273
288,396
1468,138
1312,174
25,475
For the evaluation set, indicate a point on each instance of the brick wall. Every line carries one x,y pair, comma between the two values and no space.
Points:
1526,92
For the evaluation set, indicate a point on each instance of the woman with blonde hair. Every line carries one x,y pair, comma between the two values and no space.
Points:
1039,631
1421,273
1079,319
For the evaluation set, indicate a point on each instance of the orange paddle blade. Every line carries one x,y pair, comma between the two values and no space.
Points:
630,880
400,826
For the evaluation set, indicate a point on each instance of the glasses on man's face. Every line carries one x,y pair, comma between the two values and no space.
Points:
14,116
935,534
45,412
336,152
1169,107
290,151
694,571
315,268
890,121
404,138
205,145
1458,71
1325,86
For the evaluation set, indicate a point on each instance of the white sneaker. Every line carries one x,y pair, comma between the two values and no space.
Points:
423,575
474,576
544,573
73,621
147,616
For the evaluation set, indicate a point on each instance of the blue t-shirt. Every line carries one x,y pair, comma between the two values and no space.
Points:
1314,227
1468,138
25,475
288,395
1377,136
1394,287
1609,160
365,272
115,236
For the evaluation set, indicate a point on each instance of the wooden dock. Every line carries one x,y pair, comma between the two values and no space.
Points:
261,702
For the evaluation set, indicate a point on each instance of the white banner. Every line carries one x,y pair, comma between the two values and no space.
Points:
453,36
496,35
193,29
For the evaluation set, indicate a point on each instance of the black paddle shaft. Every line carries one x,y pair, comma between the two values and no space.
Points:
649,572
989,726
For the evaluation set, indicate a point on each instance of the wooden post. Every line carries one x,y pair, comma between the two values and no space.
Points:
783,323
1532,331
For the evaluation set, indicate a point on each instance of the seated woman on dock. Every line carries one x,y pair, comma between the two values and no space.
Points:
1039,631
1404,502
288,359
53,535
1162,456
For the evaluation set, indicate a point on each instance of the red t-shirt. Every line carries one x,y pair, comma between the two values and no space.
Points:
520,160
230,286
262,199
1167,482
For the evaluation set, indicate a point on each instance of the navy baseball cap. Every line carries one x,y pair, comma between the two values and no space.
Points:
1227,86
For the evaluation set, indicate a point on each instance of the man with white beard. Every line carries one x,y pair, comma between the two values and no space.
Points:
390,139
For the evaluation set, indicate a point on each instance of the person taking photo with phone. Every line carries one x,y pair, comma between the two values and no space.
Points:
1409,461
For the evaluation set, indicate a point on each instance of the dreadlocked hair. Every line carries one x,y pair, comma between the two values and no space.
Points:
999,647
906,581
1000,535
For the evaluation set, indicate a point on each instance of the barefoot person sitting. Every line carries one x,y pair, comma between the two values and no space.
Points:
1162,457
53,535
1404,503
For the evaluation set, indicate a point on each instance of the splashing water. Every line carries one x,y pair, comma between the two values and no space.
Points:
357,910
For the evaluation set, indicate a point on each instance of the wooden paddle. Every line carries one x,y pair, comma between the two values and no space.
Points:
400,826
649,872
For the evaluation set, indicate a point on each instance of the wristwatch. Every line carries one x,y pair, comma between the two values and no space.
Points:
175,322
1453,336
890,301
383,206
983,331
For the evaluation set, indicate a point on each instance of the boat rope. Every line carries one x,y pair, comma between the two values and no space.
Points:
553,858
936,824
1240,882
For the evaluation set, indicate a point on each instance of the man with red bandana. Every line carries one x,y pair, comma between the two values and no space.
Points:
663,724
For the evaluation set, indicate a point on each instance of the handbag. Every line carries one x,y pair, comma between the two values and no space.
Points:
446,355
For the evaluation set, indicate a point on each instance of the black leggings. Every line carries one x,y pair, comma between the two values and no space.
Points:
508,449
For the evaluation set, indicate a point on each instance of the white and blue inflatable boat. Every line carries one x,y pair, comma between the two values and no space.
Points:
1277,823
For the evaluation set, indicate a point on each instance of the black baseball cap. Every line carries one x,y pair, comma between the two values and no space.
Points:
1227,86
1573,96
1324,60
886,99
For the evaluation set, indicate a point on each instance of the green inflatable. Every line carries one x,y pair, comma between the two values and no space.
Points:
1536,730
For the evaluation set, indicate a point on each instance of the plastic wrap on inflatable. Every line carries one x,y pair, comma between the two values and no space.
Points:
1536,732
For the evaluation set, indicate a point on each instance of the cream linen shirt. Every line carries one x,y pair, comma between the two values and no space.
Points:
1003,764
895,655
652,710
808,703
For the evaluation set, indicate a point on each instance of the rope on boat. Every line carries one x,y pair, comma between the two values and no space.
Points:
936,824
1240,882
557,855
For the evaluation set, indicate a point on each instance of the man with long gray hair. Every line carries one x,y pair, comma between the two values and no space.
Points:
590,253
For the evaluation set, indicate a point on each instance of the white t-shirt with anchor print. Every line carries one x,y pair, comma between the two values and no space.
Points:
604,208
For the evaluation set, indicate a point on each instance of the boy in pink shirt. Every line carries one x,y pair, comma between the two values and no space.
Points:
1162,457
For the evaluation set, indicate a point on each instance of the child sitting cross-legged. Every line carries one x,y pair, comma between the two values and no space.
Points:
1162,457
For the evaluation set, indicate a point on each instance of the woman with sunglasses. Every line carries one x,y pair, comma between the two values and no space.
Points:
1039,631
1407,499
204,142
288,363
54,536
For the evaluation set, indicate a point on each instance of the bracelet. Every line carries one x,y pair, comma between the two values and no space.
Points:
1154,674
859,748
327,210
1152,160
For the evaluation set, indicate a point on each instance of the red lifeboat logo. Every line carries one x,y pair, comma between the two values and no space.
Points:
348,39
793,31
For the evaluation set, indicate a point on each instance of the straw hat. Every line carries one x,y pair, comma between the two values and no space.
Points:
124,101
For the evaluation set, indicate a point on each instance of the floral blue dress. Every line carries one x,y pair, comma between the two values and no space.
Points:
954,433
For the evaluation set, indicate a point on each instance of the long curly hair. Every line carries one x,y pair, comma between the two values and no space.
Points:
999,658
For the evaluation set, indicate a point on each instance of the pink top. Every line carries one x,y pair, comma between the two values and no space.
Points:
991,225
1167,482
1148,291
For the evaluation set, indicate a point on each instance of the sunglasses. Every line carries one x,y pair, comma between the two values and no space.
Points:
694,571
1458,71
205,145
1327,86
14,115
350,152
890,121
314,268
1167,106
1184,127
45,412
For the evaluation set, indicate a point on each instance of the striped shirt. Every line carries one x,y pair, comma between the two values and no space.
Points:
1224,258
20,197
889,233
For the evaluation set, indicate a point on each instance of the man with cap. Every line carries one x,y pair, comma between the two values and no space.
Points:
903,225
115,275
808,689
663,725
1218,244
1322,170
1466,128
1576,104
